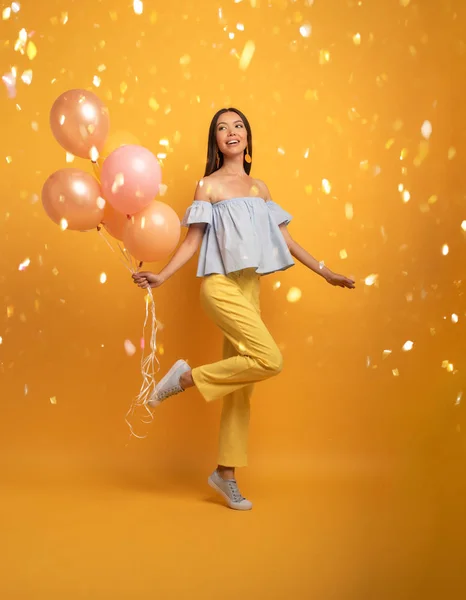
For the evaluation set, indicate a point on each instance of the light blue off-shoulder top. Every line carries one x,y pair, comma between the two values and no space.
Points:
241,233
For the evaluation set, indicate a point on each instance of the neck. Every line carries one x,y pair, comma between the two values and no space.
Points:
233,165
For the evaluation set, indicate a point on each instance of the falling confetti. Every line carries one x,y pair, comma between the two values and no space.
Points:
103,278
53,400
407,346
294,294
371,279
454,318
129,347
445,249
24,264
326,187
247,54
138,7
305,30
426,129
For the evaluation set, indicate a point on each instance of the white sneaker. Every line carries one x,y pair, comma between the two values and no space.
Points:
170,384
228,488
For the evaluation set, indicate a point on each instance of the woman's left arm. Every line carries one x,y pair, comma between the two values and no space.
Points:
302,255
310,262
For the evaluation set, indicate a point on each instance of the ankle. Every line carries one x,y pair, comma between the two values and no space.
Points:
186,380
226,472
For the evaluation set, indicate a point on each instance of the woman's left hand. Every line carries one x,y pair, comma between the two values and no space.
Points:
340,280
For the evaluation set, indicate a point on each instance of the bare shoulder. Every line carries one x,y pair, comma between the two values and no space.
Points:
263,189
204,189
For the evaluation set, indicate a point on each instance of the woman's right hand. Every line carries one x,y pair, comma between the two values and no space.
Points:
146,279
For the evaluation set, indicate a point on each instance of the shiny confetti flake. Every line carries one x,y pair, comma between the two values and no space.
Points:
451,153
23,266
153,104
138,7
96,81
246,55
386,353
426,129
94,154
63,224
324,57
100,202
1,340
406,196
240,26
26,77
371,279
185,60
31,50
9,79
395,373
294,294
103,278
454,318
349,211
326,186
276,286
407,346
405,3
53,400
69,157
448,366
129,347
458,398
305,30
357,39
343,254
6,13
463,225
445,249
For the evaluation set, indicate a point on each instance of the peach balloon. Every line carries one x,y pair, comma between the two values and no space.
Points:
114,222
74,196
130,178
153,233
80,122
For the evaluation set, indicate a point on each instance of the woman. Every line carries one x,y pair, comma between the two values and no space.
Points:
244,235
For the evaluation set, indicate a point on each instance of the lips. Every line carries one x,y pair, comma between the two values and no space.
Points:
233,143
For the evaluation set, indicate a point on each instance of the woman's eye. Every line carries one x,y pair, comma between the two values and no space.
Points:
239,125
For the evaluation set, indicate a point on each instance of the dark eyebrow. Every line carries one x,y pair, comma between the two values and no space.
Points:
224,123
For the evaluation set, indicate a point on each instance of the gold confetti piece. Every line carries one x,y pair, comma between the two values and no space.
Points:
349,211
454,318
246,55
445,249
306,153
404,3
1,340
31,50
357,39
185,60
406,196
10,311
6,13
103,278
276,286
404,153
389,143
364,165
9,159
129,347
305,30
96,81
138,7
386,353
24,264
463,225
426,129
326,186
407,346
451,153
240,27
164,142
324,57
294,294
161,155
371,279
123,87
94,154
343,254
395,372
231,35
26,77
458,397
63,224
53,400
153,104
432,199
281,151
69,157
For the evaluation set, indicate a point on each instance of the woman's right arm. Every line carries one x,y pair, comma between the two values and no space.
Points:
185,252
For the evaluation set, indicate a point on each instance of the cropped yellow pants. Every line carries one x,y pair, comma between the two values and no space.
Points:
250,354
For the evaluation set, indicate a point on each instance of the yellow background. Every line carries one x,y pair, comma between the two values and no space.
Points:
356,469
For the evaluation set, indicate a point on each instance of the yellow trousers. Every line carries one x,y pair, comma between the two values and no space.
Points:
250,355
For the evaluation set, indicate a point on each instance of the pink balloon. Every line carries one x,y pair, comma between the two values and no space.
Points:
153,233
130,178
74,196
79,122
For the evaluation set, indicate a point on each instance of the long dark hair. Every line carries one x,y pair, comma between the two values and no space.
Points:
212,148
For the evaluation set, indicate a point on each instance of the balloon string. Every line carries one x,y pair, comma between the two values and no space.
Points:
149,362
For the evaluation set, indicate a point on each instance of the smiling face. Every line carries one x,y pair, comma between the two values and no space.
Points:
231,134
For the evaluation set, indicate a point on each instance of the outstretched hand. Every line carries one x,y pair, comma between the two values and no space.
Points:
146,280
340,281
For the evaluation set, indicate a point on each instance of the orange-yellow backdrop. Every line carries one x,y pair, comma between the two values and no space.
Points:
337,91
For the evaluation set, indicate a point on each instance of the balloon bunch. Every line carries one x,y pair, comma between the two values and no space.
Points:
121,198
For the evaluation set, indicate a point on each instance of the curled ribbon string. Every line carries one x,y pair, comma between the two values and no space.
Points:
149,364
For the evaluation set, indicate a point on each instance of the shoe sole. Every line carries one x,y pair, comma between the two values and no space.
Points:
155,401
214,486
